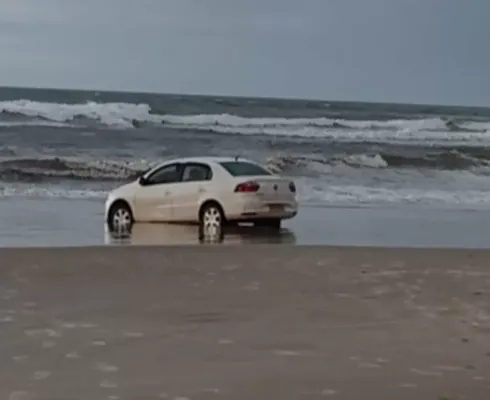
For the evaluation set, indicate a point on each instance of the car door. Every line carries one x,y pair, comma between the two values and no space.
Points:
154,199
195,181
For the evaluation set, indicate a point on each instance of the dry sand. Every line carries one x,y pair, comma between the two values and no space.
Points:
244,323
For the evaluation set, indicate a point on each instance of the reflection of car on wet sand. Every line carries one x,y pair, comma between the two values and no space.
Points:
210,191
145,234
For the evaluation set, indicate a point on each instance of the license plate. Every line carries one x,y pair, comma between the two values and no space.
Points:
276,207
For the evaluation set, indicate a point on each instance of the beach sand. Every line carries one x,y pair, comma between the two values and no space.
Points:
244,322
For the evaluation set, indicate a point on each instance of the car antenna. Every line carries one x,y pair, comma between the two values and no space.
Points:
237,157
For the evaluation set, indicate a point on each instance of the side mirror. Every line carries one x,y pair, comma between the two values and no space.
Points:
142,180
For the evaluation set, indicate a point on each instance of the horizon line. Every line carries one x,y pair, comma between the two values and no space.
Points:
288,98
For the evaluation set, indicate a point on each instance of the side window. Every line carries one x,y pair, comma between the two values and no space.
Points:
196,173
168,174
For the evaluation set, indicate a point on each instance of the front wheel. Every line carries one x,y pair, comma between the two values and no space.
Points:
211,222
120,218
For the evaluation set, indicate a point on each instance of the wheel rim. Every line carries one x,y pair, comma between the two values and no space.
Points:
212,221
121,219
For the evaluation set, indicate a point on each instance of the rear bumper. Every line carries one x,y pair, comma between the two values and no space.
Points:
265,215
258,210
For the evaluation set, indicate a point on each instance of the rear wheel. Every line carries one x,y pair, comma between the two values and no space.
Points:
120,218
273,223
211,222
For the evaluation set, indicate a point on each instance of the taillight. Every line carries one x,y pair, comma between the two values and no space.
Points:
292,187
247,187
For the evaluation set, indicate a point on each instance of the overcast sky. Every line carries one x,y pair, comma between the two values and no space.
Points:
424,51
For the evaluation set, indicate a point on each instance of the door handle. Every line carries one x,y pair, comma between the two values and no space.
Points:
201,190
167,192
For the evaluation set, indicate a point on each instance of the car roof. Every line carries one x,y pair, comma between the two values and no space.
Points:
209,159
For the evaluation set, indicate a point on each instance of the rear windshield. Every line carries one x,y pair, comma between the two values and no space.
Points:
242,168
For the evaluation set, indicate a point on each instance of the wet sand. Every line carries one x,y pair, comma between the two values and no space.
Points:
244,322
80,222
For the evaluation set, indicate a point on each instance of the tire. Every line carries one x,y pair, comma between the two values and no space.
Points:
273,223
211,222
120,218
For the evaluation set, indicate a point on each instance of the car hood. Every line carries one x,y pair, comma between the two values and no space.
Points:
124,190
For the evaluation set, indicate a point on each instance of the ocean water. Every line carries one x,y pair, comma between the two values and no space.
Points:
62,151
80,144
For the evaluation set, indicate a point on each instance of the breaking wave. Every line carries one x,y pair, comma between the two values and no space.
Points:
443,160
53,169
7,151
37,170
128,115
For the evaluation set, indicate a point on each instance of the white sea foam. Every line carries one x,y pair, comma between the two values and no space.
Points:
325,194
363,160
52,124
403,135
115,114
282,163
35,191
123,115
72,168
310,192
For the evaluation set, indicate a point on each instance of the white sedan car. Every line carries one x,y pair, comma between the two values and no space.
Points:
210,191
